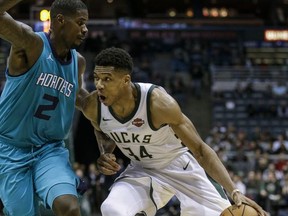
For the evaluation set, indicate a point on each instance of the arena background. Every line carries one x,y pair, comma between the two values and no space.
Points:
224,61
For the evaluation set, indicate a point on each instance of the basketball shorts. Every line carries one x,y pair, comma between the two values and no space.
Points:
140,190
32,175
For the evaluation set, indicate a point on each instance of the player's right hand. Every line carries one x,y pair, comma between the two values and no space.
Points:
107,164
240,198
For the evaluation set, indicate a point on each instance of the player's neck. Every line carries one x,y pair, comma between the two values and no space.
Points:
59,48
126,105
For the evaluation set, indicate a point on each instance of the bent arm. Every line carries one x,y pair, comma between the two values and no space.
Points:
20,35
106,163
5,5
26,44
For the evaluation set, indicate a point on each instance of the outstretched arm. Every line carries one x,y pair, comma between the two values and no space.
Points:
165,110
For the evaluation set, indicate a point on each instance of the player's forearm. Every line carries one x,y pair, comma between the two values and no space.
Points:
105,144
205,156
5,5
107,147
216,170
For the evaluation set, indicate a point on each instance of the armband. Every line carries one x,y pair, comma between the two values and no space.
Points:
235,191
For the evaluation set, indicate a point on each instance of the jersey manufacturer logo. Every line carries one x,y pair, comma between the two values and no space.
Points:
104,119
184,168
50,57
138,122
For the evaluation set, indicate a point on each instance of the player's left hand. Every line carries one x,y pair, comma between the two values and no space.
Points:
107,164
240,198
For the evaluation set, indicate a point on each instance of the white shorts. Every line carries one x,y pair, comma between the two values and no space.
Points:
147,190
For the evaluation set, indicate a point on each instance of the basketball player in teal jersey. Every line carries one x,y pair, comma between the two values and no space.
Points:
147,125
36,110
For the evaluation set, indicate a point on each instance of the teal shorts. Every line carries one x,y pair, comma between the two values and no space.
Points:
32,175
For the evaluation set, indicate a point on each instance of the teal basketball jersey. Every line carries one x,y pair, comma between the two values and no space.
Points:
38,106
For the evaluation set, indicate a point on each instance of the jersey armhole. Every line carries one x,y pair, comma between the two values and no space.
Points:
149,117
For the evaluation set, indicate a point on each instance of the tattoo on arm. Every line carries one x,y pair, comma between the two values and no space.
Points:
105,144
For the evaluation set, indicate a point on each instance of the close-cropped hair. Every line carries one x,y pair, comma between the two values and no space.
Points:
66,7
115,57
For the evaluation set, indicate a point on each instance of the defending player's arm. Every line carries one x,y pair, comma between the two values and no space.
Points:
5,5
81,93
26,44
165,110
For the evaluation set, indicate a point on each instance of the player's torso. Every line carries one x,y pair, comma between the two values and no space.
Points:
38,106
136,136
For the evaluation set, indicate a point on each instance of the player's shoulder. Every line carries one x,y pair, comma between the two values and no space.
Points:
160,97
163,107
29,36
81,58
81,63
90,105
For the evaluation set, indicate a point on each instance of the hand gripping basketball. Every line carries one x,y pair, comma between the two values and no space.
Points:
243,210
241,201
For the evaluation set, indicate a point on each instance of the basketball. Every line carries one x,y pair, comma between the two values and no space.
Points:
243,210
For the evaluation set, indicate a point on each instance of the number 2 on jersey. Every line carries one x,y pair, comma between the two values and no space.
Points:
42,108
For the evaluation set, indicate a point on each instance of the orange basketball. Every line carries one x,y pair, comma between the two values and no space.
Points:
243,210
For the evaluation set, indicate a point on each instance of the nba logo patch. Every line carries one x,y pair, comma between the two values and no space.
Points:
138,122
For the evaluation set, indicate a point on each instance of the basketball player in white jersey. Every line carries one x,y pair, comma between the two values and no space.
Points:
167,155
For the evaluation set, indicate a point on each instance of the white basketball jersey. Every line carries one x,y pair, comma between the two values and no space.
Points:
137,138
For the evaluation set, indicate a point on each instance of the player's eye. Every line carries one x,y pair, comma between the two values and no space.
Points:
107,79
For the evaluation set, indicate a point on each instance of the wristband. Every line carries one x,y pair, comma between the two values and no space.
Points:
235,191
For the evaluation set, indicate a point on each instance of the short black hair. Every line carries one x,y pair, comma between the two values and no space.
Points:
66,7
115,57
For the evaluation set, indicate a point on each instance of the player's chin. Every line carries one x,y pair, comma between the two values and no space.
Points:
75,45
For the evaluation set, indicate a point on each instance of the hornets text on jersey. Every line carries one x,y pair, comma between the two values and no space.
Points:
47,92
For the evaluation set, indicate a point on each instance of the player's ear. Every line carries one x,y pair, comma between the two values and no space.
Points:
60,18
127,79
